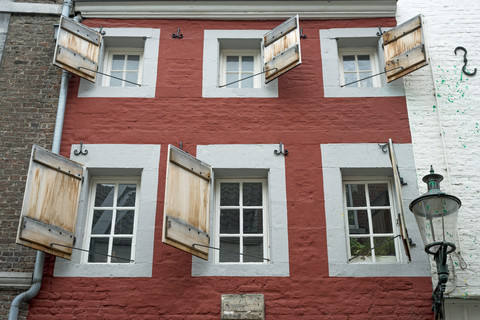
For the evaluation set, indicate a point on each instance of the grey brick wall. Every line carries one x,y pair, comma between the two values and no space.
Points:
29,86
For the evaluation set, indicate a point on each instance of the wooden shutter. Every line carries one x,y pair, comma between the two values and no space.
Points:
398,193
187,203
404,46
50,204
77,49
281,49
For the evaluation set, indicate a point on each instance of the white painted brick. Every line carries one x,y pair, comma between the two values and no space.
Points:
456,115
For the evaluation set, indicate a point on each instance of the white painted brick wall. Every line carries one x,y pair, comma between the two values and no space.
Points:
446,126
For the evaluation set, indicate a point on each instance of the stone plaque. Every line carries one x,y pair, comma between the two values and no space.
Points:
243,306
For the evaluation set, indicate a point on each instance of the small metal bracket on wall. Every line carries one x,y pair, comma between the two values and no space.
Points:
77,152
380,32
465,61
384,147
181,145
302,36
101,31
281,150
178,35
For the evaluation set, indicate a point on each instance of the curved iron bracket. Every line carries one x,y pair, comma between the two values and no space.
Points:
281,150
84,152
464,69
178,35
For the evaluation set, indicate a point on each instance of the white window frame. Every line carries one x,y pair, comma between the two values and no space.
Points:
212,66
392,207
240,53
123,161
253,162
332,78
264,234
111,236
148,79
361,160
371,52
126,52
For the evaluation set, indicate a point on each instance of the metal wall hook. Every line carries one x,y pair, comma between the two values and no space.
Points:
101,31
380,32
178,35
464,69
281,150
181,145
77,152
302,36
384,147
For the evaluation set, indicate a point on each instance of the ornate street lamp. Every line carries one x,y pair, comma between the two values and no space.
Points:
436,213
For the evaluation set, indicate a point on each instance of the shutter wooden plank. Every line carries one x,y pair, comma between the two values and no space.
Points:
402,30
68,58
398,193
282,63
404,46
51,198
410,61
281,49
280,31
187,203
81,31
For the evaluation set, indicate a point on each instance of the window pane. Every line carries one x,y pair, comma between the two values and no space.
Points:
378,193
133,77
252,221
115,82
358,222
231,77
124,221
253,249
118,61
350,77
355,195
232,63
133,61
229,249
247,63
126,195
104,195
349,63
98,250
384,246
367,83
121,250
252,194
229,221
364,62
247,83
229,194
382,221
102,221
360,247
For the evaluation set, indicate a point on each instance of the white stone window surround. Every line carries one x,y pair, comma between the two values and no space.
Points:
367,159
250,161
330,41
213,39
146,38
117,160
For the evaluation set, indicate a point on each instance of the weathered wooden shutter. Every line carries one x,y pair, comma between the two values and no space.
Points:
281,49
77,49
404,49
398,193
50,204
187,203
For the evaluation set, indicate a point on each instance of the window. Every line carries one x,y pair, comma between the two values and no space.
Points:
232,55
248,212
237,65
370,222
350,54
112,221
356,64
241,221
116,214
123,64
361,212
130,54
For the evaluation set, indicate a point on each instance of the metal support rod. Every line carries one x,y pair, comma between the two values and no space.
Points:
102,254
222,250
253,75
108,75
344,85
440,258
